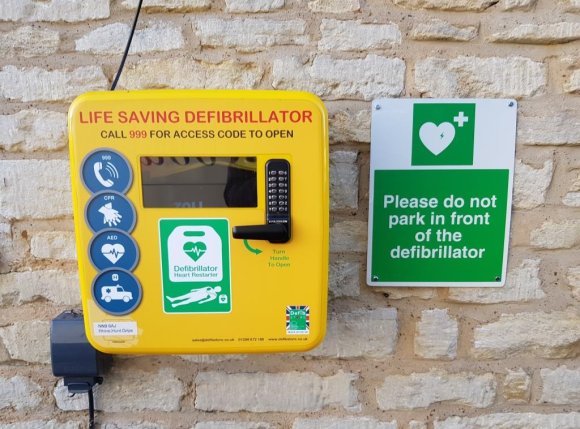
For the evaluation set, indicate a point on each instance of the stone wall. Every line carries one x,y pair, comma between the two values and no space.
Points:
393,358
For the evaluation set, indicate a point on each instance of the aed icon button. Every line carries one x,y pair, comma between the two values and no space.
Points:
113,248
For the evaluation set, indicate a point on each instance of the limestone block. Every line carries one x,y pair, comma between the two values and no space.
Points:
367,78
572,85
232,425
37,189
169,5
53,245
33,130
523,284
560,386
349,236
556,235
463,76
37,84
517,386
573,277
27,341
438,29
186,73
290,392
559,128
420,390
360,333
343,278
512,421
28,42
56,286
531,184
111,39
343,423
250,34
436,335
551,335
543,34
54,10
253,6
334,6
343,180
357,36
43,424
456,5
350,126
517,4
19,392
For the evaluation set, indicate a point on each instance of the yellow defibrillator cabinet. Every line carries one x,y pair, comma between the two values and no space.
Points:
201,220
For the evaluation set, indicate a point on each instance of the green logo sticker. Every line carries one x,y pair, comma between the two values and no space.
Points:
443,134
195,263
297,319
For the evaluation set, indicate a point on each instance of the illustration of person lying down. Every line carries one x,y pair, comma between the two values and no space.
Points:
201,295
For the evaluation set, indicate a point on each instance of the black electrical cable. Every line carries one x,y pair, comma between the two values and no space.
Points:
120,70
91,409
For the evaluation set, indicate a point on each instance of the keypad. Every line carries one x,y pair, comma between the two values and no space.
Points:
278,178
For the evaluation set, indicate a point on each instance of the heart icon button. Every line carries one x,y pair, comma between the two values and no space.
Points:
436,138
194,250
113,252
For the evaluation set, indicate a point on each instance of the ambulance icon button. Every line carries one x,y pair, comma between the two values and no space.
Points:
117,292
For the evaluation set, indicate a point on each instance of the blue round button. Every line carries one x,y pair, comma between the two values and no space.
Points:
110,210
106,170
117,292
113,248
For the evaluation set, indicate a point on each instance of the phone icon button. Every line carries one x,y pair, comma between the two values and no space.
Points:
110,169
106,170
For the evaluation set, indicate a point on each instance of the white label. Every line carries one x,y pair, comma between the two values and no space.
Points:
102,329
195,254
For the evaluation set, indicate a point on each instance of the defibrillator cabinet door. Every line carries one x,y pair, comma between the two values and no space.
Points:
201,220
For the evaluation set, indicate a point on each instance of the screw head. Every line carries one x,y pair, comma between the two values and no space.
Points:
375,278
511,104
377,107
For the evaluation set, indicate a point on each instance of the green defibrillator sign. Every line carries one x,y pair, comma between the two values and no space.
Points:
195,265
441,187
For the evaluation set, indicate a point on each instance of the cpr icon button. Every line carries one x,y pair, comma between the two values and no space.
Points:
117,292
110,210
106,170
113,248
